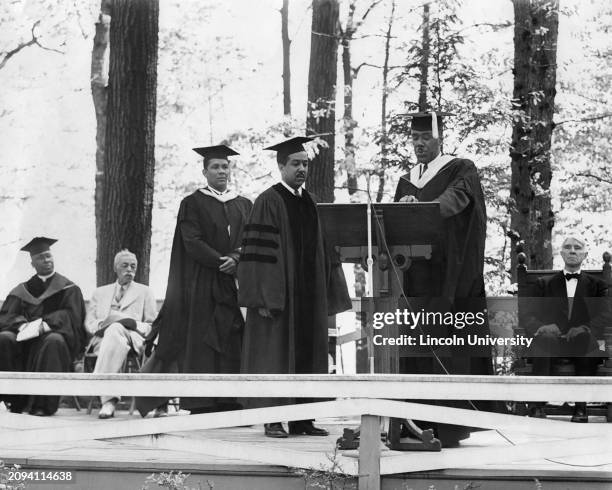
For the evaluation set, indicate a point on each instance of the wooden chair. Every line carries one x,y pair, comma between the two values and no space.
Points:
132,364
527,282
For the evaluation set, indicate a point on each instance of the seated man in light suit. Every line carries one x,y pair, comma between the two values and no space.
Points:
119,316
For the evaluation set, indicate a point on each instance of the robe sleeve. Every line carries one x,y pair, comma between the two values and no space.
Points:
459,194
247,208
149,313
194,239
68,319
404,188
261,272
11,316
92,322
338,298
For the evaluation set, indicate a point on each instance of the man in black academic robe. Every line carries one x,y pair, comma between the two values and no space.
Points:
568,313
284,284
56,335
454,281
200,325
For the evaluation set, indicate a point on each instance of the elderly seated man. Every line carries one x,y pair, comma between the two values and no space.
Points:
119,317
569,311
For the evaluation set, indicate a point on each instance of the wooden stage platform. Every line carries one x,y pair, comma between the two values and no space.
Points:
100,464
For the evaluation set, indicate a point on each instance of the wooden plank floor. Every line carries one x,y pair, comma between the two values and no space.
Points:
99,460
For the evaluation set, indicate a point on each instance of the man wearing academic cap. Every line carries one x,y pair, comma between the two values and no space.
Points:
41,327
200,324
455,282
283,282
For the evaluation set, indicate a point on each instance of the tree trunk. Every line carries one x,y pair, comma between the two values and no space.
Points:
321,113
99,84
286,58
384,137
424,64
348,121
535,54
130,135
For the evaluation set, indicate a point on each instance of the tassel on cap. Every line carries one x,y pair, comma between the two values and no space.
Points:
434,126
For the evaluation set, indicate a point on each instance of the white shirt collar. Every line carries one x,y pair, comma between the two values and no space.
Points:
572,284
219,193
433,168
44,278
225,196
292,190
125,287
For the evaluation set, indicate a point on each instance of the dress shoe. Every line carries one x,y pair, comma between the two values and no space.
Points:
580,413
450,443
307,428
160,412
108,409
275,429
38,412
537,413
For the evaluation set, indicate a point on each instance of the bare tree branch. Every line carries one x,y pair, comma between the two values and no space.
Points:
359,67
79,18
378,67
367,12
21,46
592,99
503,25
365,36
590,118
593,176
324,34
31,42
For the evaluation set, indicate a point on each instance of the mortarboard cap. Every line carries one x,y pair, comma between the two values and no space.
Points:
427,121
38,244
217,151
292,145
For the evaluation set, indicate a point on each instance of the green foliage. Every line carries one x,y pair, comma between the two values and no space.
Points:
330,477
174,481
5,483
581,149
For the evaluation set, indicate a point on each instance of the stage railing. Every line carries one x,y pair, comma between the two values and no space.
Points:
367,396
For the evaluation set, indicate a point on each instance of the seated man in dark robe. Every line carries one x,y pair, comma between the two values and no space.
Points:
200,324
568,315
41,327
284,284
454,282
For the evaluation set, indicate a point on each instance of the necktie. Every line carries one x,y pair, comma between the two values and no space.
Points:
569,277
120,294
296,192
423,169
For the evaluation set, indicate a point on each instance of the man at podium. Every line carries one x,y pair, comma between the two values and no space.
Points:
455,283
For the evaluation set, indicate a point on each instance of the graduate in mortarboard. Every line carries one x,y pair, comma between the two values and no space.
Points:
282,277
200,325
455,282
41,327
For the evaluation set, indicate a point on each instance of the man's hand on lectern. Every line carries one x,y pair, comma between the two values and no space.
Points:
409,199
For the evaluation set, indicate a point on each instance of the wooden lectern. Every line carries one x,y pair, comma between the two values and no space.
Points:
402,234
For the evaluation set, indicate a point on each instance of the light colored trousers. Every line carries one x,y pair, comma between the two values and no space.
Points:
112,350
